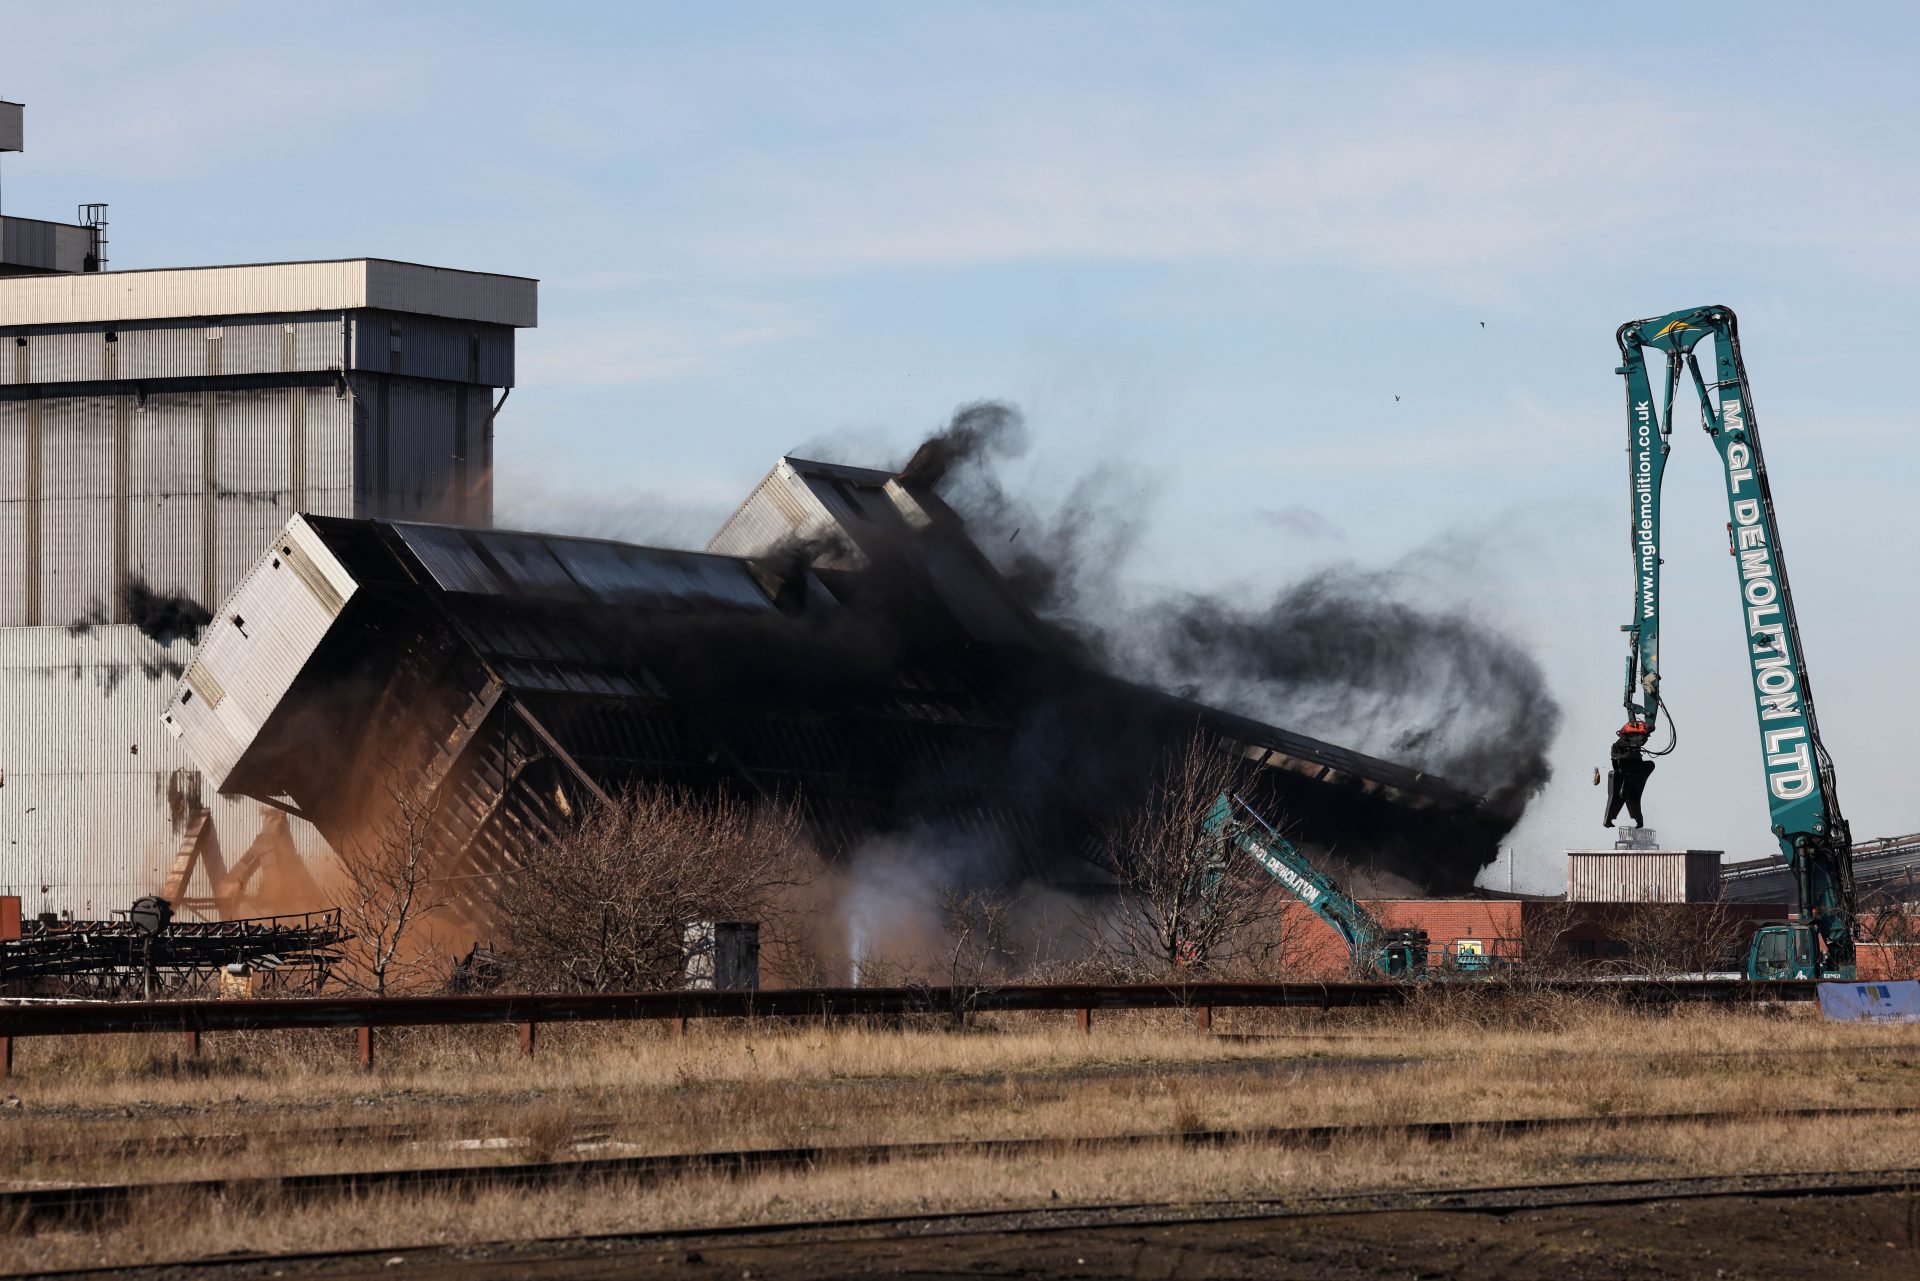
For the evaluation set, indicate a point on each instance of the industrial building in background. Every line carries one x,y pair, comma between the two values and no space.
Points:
156,429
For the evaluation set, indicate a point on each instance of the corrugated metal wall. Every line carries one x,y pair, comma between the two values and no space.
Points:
228,346
88,766
1643,876
455,351
182,491
44,246
780,507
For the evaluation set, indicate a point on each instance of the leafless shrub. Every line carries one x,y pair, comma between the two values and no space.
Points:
389,893
1543,953
1892,925
1184,906
985,944
605,906
1668,939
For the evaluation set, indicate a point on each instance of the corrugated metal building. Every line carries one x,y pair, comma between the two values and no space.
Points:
157,428
1643,876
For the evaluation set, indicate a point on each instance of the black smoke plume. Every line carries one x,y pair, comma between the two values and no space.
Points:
162,617
981,430
1340,650
1345,654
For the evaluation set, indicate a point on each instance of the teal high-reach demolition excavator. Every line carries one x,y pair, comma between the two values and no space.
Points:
1804,804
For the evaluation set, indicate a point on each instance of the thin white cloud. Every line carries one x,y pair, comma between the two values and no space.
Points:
673,338
1439,171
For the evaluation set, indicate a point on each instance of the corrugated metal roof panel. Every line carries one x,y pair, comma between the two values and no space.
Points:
531,568
657,578
544,566
452,561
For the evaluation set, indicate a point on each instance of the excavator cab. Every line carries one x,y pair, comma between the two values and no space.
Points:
1402,953
1789,950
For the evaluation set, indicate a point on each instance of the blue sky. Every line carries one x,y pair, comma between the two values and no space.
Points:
1208,243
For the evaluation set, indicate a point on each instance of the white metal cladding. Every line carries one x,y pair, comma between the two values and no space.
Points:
807,499
269,289
121,487
260,638
1643,876
145,350
81,810
782,506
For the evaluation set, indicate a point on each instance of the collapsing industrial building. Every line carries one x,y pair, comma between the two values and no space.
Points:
841,642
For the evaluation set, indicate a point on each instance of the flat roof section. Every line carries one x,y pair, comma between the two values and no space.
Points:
350,284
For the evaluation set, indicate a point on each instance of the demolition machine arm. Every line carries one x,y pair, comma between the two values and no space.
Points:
1233,824
1801,796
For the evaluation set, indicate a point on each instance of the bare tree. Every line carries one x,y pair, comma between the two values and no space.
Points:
605,906
390,891
1543,951
1892,929
1187,902
1667,939
981,926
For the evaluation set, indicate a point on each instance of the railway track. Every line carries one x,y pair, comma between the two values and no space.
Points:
27,1208
531,1256
604,1126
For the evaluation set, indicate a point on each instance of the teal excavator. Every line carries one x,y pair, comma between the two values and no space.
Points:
1801,796
1378,951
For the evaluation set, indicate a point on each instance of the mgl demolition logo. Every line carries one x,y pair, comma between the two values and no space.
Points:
1776,680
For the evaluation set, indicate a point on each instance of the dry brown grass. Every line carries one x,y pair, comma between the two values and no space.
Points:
102,1110
155,1231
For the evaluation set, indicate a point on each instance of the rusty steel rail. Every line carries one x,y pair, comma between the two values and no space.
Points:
88,1203
528,1011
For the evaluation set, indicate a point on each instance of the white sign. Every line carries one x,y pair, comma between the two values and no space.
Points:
1871,1002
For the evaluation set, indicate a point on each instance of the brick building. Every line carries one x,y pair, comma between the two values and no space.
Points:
1494,932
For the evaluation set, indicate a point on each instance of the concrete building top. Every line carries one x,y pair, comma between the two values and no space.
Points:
349,284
